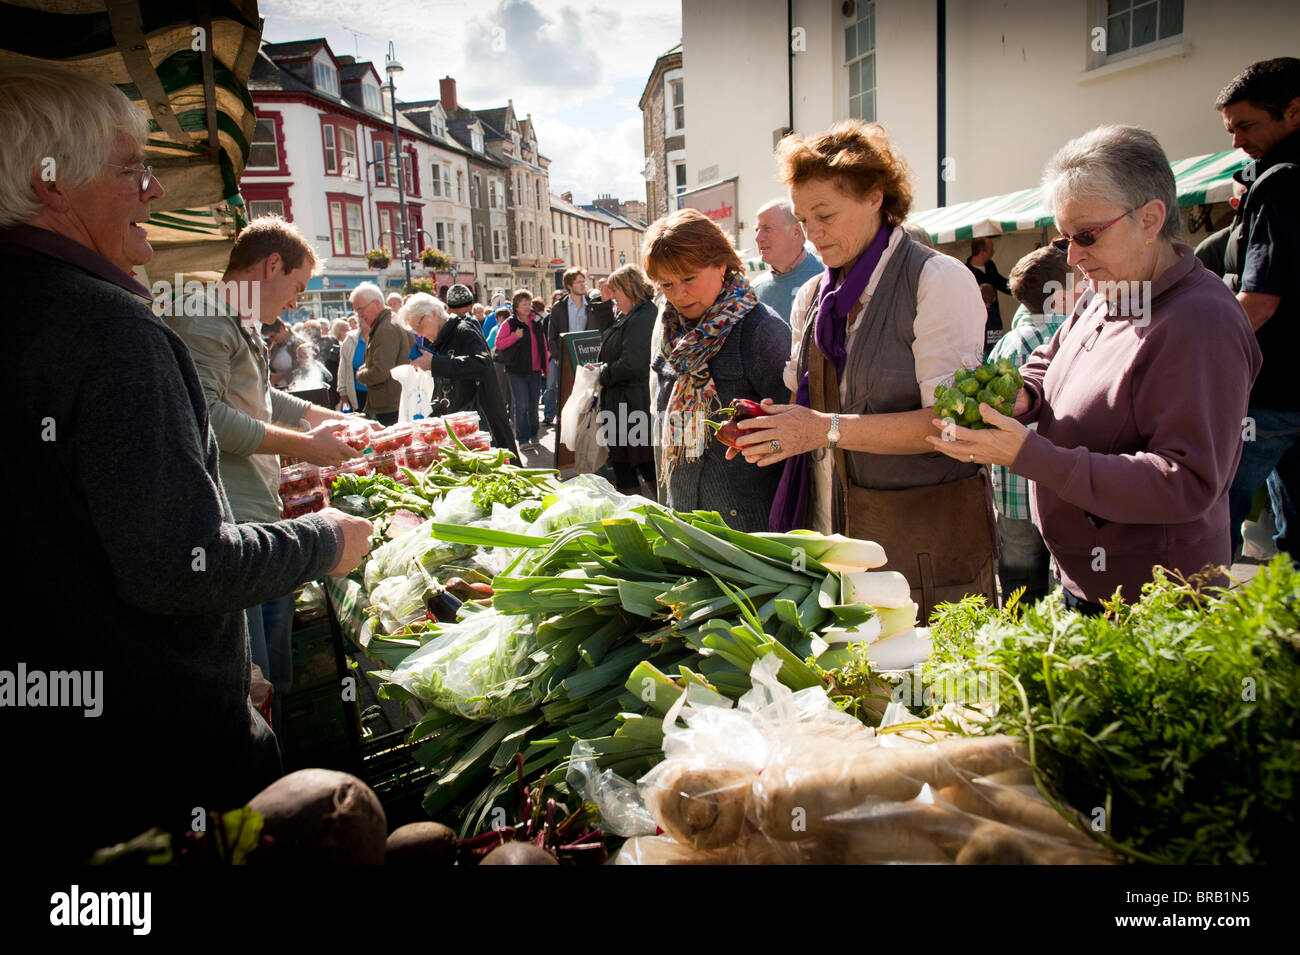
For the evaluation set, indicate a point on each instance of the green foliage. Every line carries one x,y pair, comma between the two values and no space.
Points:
422,285
1176,714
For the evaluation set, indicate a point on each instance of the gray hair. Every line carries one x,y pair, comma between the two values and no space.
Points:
418,307
65,122
365,292
340,325
1120,164
785,205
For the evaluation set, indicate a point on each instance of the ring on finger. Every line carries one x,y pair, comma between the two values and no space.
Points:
775,445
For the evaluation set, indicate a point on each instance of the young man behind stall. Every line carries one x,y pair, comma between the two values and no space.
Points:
254,423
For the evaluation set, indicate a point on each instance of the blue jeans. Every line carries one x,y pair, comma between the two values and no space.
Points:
270,629
525,390
1273,458
552,396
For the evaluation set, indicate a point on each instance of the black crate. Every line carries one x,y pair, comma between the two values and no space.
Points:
391,770
318,728
315,659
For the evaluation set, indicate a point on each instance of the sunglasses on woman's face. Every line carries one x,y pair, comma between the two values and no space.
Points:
1085,238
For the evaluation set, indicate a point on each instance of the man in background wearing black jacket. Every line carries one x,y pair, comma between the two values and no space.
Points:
981,266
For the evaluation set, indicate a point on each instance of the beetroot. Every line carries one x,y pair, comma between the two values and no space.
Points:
321,817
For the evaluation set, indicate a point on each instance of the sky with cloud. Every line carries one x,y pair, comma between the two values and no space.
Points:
577,67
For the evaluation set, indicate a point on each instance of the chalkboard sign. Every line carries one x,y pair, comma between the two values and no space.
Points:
581,346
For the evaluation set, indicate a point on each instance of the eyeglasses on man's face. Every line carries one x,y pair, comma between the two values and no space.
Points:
1087,237
146,174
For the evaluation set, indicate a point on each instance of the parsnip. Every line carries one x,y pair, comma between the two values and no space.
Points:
1006,805
700,808
995,844
803,787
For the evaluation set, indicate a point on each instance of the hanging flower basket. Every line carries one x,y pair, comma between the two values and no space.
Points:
435,259
377,259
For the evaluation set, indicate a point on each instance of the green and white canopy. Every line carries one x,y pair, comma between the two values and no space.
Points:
186,66
1200,180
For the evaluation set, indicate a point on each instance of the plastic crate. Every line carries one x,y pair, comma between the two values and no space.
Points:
319,729
314,661
391,770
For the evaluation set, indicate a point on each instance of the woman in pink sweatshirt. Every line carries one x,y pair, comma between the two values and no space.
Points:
1140,397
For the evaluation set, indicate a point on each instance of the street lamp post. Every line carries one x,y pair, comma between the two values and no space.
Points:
392,68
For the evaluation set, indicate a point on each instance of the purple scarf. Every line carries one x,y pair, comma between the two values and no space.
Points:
829,333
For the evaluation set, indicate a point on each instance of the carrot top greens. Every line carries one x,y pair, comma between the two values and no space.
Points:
1171,723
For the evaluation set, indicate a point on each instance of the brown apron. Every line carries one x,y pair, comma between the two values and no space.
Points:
942,538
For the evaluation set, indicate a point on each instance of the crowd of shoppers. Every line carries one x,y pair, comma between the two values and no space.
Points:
1156,404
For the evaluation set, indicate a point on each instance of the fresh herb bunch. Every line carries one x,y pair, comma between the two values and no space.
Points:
1175,715
505,488
857,688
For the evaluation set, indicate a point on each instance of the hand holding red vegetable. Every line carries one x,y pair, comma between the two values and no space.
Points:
796,429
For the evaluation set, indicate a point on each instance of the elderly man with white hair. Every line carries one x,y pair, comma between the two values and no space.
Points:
387,346
454,350
111,419
780,241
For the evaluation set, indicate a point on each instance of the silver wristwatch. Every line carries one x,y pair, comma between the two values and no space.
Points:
833,435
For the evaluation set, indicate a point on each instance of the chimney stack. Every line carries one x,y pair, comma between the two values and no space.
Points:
447,91
567,197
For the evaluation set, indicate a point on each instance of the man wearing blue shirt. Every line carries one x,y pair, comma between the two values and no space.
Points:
780,241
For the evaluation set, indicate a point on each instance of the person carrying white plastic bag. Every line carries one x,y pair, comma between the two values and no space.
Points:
580,421
417,392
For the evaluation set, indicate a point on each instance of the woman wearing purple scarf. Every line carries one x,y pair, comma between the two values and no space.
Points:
872,337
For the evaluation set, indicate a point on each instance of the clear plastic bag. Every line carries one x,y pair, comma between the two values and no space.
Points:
457,507
399,601
621,810
477,667
417,549
787,778
587,497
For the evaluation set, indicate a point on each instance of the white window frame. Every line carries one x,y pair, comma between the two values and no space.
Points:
460,185
671,127
252,203
372,97
347,156
273,142
866,11
330,139
338,227
325,74
1098,16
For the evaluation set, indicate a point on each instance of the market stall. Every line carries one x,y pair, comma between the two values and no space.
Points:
606,678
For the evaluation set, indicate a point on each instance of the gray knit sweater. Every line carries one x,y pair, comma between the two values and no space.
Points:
130,562
748,365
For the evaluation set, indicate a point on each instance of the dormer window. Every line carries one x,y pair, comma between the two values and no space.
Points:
327,77
374,101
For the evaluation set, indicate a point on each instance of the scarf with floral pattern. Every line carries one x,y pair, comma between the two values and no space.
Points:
688,347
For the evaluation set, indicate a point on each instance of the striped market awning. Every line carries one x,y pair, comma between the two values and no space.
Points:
1200,180
186,66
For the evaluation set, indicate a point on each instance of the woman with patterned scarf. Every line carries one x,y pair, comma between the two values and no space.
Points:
716,343
888,321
